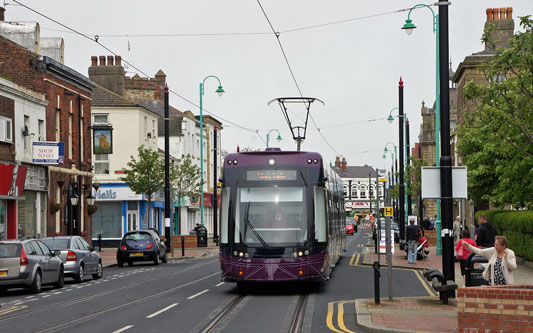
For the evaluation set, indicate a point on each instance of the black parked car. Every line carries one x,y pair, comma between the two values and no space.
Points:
141,245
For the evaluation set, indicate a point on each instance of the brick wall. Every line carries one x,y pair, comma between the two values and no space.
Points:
495,309
7,109
25,68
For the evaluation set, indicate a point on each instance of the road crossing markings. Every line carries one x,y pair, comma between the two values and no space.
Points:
123,329
198,294
162,310
218,285
12,309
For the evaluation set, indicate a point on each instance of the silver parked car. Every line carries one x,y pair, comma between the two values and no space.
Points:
29,263
79,258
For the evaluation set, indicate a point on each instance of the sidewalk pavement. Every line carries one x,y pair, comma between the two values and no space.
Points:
417,314
109,255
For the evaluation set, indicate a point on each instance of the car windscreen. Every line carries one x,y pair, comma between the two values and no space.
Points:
57,244
138,236
9,250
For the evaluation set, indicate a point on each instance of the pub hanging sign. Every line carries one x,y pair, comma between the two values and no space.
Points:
102,139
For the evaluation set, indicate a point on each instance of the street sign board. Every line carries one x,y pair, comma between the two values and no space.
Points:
382,179
46,152
388,211
431,183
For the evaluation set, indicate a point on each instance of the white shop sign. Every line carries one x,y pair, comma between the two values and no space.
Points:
116,194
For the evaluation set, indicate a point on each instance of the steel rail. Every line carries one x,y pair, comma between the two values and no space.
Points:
103,293
298,317
222,314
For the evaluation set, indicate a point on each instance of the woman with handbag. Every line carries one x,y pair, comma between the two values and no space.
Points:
502,261
463,252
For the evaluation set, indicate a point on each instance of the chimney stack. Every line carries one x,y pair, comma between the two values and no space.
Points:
2,10
502,20
110,75
337,162
343,165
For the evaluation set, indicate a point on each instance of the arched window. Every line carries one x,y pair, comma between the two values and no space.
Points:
362,191
354,191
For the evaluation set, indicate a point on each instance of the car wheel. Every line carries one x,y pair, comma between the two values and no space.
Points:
130,263
79,277
120,263
35,286
99,271
60,279
165,258
156,259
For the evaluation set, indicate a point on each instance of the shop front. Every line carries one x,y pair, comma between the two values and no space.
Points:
121,210
12,180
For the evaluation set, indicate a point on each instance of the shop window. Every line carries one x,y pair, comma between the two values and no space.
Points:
107,221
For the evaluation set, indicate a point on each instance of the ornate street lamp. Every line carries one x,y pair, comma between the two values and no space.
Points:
219,91
268,135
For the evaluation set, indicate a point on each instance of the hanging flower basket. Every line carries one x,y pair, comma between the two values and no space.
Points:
54,207
91,209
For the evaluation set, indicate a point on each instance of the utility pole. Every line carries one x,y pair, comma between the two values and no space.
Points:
167,174
402,184
408,151
215,187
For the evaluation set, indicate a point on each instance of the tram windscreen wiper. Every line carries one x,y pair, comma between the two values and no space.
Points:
303,178
248,224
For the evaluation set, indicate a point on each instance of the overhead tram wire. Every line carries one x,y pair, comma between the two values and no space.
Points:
95,39
277,34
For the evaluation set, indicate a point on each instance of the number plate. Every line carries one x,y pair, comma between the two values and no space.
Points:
138,254
3,273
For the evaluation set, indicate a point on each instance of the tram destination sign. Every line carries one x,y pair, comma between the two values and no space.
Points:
269,175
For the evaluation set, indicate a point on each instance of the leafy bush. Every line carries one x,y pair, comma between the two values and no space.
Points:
517,226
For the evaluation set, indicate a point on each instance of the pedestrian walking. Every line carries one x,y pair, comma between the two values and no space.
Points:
462,252
502,262
412,236
457,225
486,232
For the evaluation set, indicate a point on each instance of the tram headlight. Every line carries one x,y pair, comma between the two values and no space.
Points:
300,253
309,161
306,252
271,161
235,162
230,162
315,161
235,253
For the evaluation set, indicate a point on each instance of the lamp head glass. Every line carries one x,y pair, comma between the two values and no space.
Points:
409,26
220,91
390,119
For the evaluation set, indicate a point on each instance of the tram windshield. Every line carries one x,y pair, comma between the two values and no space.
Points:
271,216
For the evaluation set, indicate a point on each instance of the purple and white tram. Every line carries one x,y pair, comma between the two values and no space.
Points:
282,217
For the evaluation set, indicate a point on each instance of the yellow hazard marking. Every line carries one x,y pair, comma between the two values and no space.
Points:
12,309
340,317
424,283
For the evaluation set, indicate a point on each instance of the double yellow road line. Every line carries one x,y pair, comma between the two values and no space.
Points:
340,328
12,309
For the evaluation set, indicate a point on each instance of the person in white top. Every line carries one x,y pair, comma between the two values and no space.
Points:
502,261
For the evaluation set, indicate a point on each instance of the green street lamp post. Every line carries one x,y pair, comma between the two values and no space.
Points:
268,135
403,157
219,91
409,27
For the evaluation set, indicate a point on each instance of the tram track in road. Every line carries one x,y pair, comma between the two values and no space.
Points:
68,323
298,317
81,299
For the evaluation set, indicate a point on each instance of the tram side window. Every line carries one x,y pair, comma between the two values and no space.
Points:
224,218
320,215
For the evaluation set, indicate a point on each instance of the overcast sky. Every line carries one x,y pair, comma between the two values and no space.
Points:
350,55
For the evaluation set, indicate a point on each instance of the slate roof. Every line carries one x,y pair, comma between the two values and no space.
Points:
159,108
175,121
356,172
103,97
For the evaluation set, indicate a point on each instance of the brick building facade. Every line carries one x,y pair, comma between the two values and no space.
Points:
68,119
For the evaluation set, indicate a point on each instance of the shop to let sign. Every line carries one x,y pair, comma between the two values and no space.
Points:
45,152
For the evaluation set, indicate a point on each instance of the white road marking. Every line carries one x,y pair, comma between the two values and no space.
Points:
30,297
162,310
123,329
196,295
221,283
57,293
44,296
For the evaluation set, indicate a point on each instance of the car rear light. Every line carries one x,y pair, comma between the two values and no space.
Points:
23,258
149,246
71,256
123,247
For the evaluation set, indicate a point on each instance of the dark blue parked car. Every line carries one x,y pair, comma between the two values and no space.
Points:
141,245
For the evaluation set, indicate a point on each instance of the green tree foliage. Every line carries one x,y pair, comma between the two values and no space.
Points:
145,174
413,172
496,141
185,178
